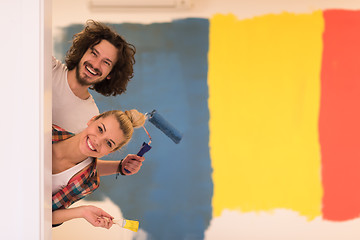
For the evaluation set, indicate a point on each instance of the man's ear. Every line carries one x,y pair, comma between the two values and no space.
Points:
91,120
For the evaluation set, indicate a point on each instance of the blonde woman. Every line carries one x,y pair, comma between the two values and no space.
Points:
76,167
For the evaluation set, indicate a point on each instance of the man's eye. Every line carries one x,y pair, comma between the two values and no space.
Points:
93,53
107,63
109,144
100,129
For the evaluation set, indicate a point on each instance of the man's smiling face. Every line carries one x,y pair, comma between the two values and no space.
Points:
96,63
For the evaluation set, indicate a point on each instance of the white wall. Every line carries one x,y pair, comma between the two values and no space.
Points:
67,12
26,116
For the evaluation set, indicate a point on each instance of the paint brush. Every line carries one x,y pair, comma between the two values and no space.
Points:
128,224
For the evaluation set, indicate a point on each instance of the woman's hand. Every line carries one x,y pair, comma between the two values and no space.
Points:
132,163
94,215
97,217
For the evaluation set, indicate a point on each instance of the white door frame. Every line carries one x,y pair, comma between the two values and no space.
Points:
25,101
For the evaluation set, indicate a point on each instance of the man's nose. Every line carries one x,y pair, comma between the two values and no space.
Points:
96,64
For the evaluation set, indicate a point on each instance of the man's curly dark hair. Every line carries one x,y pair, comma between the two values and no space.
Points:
121,72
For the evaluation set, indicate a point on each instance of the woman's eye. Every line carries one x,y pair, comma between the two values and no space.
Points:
109,144
100,129
93,53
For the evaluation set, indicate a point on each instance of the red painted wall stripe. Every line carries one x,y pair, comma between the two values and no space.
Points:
339,120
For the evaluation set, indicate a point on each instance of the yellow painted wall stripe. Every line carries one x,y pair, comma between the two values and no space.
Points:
264,92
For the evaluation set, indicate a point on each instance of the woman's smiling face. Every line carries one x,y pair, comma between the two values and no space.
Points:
101,137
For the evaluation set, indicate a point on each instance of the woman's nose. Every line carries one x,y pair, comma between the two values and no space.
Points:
95,142
100,140
97,139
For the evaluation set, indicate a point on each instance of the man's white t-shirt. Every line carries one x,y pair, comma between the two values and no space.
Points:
68,111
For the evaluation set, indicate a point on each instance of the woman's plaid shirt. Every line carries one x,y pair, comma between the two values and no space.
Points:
79,186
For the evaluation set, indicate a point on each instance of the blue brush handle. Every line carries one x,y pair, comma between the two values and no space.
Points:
144,148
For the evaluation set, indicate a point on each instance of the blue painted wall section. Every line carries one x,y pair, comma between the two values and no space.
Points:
171,196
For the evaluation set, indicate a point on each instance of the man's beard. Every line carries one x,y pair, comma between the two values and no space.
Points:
83,80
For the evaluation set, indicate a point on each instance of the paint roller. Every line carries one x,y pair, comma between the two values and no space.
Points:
158,121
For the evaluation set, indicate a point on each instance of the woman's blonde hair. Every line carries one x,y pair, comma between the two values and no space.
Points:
128,120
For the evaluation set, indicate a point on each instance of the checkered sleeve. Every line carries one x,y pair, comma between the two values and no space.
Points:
81,185
60,134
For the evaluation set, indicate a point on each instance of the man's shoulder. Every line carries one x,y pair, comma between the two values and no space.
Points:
59,74
57,64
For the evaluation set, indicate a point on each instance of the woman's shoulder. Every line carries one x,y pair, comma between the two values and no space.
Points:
59,134
57,128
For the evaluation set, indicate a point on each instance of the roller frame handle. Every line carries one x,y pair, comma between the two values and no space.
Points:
144,149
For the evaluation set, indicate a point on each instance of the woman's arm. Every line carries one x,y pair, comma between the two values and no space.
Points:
131,162
94,215
107,167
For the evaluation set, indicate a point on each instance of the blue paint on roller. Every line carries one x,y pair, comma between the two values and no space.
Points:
159,122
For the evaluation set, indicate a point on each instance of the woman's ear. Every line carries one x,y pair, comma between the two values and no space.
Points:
91,120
